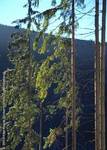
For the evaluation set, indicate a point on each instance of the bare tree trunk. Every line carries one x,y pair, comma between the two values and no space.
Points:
4,112
103,74
66,134
41,127
5,73
73,78
97,81
30,70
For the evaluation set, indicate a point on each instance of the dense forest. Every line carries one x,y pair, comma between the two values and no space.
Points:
52,86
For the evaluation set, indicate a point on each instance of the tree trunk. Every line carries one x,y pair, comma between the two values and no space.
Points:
66,134
4,112
30,69
103,74
5,84
41,127
97,81
73,78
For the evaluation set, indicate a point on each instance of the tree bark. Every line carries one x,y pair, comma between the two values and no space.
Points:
73,78
29,70
97,81
4,112
66,133
41,127
103,32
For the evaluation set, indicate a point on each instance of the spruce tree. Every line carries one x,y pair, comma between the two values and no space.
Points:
22,112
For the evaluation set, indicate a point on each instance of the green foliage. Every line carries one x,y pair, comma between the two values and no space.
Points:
63,11
50,139
22,109
56,68
52,109
44,79
29,75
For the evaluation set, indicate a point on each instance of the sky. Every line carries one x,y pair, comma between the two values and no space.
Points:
11,10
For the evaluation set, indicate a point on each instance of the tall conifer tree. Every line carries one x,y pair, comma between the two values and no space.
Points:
103,33
97,81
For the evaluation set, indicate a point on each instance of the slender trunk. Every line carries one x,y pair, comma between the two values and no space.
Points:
103,74
73,78
41,127
66,134
30,69
5,73
4,112
97,81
